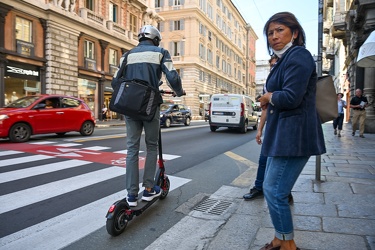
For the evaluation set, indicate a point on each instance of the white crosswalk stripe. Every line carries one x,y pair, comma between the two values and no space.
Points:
24,159
43,169
36,194
86,218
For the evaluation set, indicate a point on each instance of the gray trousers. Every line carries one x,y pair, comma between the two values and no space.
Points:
134,130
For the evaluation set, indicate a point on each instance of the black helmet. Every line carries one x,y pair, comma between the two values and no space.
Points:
150,32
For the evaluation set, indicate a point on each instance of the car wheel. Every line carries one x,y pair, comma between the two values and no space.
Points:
167,123
213,128
244,127
255,127
87,128
187,121
20,132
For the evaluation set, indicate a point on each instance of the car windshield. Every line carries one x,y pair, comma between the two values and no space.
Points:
164,107
23,102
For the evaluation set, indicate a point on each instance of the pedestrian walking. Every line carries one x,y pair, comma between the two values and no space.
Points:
337,123
359,103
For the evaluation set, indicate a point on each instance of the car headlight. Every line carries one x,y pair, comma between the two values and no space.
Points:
161,115
3,117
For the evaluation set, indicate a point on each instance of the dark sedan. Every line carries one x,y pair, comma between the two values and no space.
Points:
174,114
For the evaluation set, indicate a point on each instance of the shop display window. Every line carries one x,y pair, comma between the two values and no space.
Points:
16,88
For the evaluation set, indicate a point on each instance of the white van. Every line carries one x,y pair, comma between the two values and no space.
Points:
232,111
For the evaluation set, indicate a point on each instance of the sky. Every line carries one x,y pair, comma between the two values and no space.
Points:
257,12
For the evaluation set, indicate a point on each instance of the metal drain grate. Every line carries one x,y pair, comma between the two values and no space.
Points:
212,206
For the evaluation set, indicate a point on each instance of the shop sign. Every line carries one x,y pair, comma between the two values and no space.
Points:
24,71
25,48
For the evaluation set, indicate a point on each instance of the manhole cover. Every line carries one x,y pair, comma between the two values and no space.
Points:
212,206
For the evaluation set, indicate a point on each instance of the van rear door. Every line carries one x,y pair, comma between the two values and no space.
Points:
226,109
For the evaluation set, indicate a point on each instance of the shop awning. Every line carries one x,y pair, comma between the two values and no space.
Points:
366,54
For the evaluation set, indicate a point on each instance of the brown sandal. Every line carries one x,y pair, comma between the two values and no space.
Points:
269,246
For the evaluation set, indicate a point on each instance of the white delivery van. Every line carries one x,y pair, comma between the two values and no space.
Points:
232,111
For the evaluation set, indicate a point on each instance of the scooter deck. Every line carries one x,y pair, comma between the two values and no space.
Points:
143,205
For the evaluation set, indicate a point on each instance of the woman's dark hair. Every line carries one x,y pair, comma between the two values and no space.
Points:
289,20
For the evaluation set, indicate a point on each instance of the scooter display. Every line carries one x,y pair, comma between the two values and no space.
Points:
120,213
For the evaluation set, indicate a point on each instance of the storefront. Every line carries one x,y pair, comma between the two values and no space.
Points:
87,91
20,80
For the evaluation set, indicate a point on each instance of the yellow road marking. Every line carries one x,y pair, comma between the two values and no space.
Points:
248,176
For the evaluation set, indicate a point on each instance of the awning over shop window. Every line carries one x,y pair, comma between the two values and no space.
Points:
366,54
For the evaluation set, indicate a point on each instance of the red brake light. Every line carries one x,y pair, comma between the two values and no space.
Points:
242,109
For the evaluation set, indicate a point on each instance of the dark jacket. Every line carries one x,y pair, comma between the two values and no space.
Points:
293,125
147,62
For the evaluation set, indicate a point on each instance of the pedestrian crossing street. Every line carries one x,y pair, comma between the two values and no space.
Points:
48,200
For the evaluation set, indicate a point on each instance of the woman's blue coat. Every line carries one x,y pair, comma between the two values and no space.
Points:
293,125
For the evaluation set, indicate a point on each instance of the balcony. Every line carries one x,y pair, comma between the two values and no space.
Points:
339,25
339,21
330,53
327,26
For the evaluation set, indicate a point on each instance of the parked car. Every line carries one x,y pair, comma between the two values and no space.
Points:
174,114
31,115
232,111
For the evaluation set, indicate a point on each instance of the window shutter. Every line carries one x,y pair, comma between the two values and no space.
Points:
182,24
170,2
161,3
170,25
182,2
171,48
182,48
161,26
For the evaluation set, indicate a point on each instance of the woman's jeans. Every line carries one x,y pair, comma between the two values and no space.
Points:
134,130
280,177
338,122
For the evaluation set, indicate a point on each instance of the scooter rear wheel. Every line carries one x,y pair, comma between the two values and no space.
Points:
117,224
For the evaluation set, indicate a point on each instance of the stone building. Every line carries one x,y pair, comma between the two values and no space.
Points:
347,25
73,47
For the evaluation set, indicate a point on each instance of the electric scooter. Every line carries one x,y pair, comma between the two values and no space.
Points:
120,213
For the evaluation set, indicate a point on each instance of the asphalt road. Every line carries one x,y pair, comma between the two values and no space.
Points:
194,151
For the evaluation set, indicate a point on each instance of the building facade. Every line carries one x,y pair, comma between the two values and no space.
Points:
347,25
212,47
73,47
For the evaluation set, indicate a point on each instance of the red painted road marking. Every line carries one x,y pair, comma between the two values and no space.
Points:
72,153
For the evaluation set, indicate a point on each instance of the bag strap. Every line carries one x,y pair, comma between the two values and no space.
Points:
123,65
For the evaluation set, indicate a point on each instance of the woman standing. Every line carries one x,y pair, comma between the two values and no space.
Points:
293,132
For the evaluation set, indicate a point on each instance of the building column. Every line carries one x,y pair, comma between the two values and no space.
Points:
369,92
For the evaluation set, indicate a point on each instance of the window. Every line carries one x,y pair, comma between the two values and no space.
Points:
89,4
113,12
218,62
133,24
176,25
158,3
89,50
209,11
202,51
176,48
176,2
113,57
23,29
201,75
209,56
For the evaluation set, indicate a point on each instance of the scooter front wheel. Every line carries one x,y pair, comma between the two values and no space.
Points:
117,223
165,188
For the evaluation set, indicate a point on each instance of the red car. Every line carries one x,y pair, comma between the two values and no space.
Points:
43,114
